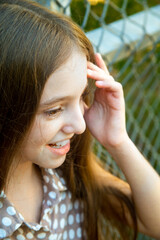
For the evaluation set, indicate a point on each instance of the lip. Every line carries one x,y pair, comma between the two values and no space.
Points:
59,151
52,143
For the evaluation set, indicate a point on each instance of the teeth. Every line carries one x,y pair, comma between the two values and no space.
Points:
59,144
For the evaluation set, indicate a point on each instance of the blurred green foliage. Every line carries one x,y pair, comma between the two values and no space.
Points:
116,10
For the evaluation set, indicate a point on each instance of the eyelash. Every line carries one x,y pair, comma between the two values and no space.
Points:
56,111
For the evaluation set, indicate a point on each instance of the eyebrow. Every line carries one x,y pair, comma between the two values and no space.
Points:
58,99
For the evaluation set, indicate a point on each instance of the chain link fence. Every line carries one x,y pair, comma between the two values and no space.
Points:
127,34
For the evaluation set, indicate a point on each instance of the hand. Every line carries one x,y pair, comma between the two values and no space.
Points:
106,117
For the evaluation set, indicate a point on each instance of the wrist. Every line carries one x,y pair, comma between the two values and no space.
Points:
120,145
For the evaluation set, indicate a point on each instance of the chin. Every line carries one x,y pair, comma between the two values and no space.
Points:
52,163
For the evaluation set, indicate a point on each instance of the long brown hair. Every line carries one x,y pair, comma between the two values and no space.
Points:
34,43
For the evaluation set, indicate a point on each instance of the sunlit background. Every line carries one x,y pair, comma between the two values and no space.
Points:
94,2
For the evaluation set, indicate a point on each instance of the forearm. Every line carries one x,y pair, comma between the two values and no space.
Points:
106,121
144,183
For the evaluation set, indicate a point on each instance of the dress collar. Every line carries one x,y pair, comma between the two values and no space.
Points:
11,219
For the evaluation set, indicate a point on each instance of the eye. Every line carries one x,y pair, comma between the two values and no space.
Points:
54,112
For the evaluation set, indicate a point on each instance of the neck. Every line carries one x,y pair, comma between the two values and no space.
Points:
23,178
25,191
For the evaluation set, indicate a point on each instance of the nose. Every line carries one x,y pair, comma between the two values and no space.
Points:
75,122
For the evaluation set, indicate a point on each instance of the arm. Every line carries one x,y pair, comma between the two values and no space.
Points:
106,121
145,186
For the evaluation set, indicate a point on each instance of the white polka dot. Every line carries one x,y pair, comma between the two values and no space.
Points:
78,218
36,227
50,171
53,181
41,235
46,211
56,209
60,184
65,235
46,178
52,195
50,223
49,203
63,181
70,219
20,237
11,211
45,188
79,232
29,235
55,236
17,225
21,216
63,208
59,237
62,223
70,206
76,204
1,204
54,185
69,195
55,224
56,174
46,228
63,196
51,237
2,194
71,234
2,233
47,219
6,221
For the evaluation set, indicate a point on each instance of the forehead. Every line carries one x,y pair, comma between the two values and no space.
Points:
68,80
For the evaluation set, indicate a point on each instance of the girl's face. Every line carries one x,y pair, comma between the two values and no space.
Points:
60,114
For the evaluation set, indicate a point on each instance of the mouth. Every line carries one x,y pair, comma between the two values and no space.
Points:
59,148
59,144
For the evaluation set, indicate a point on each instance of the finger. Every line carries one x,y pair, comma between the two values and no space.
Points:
92,66
111,86
96,75
100,63
99,76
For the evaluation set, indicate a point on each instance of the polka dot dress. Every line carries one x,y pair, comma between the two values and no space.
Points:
60,218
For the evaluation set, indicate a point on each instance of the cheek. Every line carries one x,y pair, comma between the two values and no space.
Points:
42,132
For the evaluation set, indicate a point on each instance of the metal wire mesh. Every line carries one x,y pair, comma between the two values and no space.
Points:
127,34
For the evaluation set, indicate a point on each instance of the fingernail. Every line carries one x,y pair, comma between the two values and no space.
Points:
99,54
89,71
100,83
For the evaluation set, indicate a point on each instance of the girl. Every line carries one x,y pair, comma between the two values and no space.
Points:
51,186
